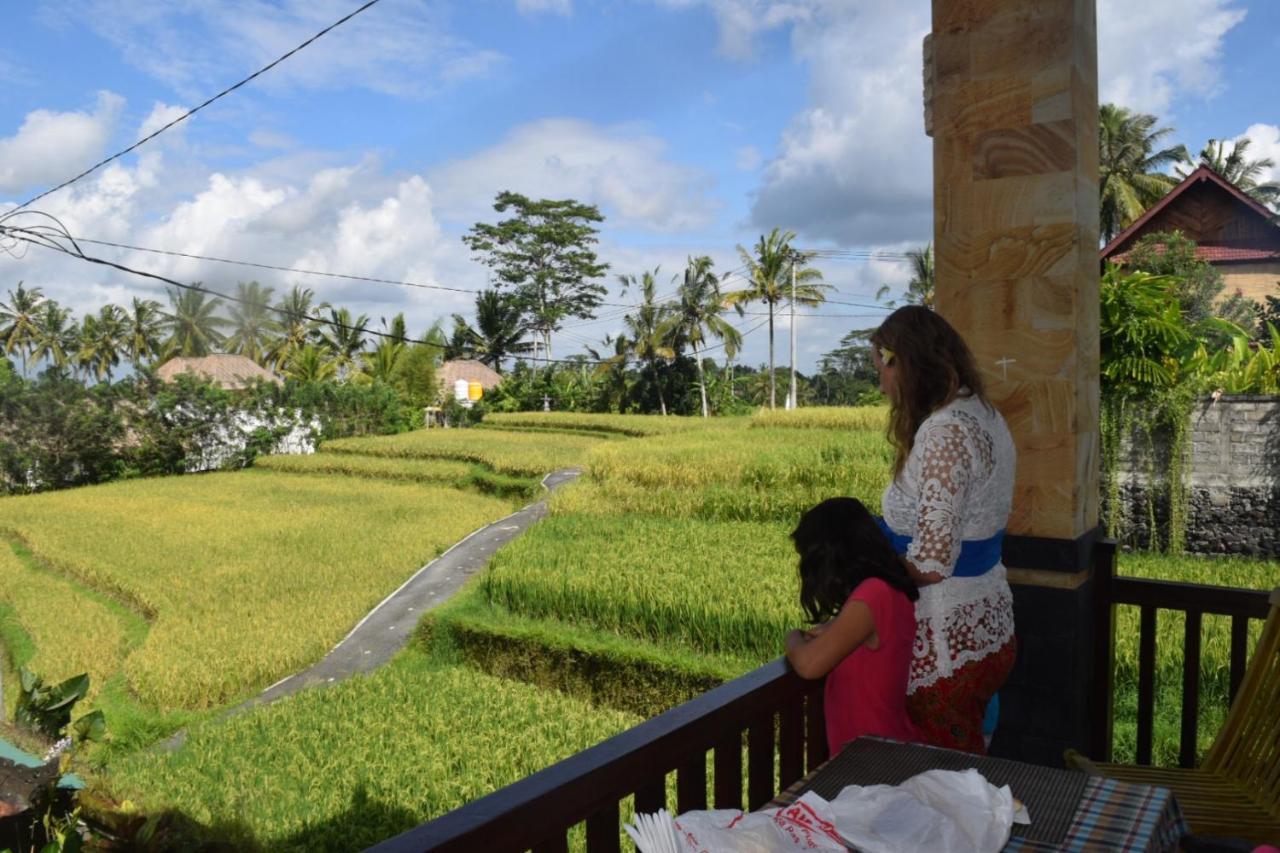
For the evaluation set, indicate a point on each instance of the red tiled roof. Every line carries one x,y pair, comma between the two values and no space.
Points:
1218,253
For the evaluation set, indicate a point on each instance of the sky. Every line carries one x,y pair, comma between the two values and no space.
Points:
694,125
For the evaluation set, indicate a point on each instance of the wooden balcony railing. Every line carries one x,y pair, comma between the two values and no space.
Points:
778,714
1150,596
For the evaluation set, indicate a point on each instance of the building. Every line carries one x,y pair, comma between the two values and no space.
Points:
231,372
468,370
1235,233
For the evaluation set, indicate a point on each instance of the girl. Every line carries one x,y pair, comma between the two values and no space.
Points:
861,599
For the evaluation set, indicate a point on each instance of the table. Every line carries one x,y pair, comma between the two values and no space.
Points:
1069,810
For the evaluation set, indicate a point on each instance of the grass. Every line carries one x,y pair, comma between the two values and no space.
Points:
522,454
859,418
450,472
406,743
628,425
244,577
1215,652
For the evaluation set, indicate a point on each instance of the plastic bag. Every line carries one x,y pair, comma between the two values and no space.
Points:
806,824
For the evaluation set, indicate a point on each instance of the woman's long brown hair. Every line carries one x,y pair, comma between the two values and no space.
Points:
933,363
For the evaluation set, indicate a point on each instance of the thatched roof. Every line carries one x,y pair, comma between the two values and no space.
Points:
470,370
231,372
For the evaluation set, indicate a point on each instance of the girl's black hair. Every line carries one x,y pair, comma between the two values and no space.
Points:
840,545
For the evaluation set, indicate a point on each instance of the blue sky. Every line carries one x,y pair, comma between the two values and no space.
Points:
695,125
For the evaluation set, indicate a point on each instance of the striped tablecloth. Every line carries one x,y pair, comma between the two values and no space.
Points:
1069,811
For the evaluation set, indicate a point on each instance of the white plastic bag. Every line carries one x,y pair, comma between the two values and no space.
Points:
946,811
804,825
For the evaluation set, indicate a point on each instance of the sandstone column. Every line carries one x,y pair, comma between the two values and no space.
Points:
1012,105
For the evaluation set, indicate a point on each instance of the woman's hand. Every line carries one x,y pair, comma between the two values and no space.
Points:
921,578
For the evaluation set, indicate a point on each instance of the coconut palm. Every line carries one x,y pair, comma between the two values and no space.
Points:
1229,161
310,363
344,337
697,316
648,329
57,335
921,286
379,364
254,327
1131,171
103,337
769,272
499,329
146,326
296,314
193,323
611,371
18,321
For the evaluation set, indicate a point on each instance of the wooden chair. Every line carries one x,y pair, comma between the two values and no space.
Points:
1236,791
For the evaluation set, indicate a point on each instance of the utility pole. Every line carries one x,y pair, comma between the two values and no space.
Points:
791,395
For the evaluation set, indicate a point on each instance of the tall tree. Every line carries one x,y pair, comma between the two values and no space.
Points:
344,336
769,273
920,287
18,318
698,315
194,325
102,338
1131,170
544,254
648,329
379,364
145,328
310,363
296,314
1229,160
57,335
254,328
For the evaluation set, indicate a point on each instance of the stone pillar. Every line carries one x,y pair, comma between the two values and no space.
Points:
1012,104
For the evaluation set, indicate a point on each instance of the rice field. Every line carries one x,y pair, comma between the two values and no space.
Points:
860,418
343,767
636,426
243,577
523,454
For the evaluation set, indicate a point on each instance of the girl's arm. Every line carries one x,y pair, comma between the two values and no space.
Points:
813,655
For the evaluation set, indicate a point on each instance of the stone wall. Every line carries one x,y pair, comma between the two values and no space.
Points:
1234,480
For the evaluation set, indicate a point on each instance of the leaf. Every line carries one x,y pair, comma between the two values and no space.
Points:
92,726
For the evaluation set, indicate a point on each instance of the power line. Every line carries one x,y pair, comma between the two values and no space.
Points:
195,110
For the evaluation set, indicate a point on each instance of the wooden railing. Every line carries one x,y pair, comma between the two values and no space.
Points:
779,714
1151,596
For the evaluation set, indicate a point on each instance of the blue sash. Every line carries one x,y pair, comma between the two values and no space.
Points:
977,556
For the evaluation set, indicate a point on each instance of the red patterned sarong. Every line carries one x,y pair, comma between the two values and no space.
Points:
949,712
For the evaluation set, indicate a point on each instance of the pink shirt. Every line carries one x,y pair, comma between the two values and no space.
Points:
866,694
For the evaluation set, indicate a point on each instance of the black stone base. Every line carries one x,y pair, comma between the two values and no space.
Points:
1243,521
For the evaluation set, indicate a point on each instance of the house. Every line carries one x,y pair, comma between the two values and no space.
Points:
1235,233
468,370
231,372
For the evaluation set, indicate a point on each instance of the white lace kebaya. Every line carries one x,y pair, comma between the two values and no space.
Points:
957,485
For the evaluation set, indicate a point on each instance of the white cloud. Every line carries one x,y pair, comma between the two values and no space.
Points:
747,158
194,45
52,146
1264,142
555,7
160,115
854,167
1147,60
742,21
623,169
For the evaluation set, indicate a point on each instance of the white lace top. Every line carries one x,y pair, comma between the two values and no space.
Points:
957,484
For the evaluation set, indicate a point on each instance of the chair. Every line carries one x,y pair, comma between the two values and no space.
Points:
1236,790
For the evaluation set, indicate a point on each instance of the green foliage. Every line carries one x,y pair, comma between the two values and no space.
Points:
544,254
46,708
1196,283
1132,173
518,453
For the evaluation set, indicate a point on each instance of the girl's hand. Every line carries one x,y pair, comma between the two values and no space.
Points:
816,652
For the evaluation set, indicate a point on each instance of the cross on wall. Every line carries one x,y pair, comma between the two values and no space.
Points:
1004,362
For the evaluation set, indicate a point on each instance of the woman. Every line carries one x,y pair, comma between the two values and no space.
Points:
946,510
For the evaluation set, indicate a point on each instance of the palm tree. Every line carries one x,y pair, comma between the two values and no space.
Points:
253,325
770,270
102,338
310,363
921,287
648,329
146,325
698,315
56,334
344,337
296,315
611,370
193,323
1130,169
380,363
1230,163
499,329
18,321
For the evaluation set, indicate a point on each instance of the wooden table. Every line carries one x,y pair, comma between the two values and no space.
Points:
1069,811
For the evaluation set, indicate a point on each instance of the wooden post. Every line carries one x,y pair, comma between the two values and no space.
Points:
1012,104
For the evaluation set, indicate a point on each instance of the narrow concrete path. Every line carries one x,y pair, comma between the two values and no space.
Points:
387,628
